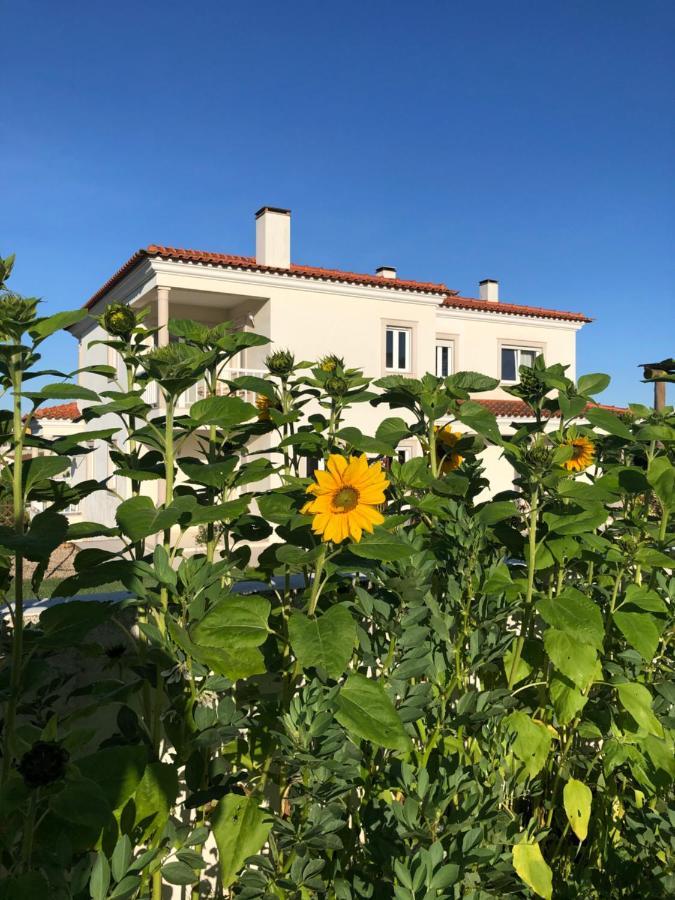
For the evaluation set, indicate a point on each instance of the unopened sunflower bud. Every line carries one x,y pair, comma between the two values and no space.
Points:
280,362
119,320
336,386
331,363
43,764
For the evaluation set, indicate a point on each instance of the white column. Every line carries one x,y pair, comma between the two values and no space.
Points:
163,316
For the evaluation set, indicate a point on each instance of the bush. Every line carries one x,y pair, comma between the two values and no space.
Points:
437,695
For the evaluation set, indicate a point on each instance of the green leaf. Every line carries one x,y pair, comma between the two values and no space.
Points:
532,743
179,873
381,545
480,420
362,442
392,431
661,754
67,624
82,802
234,623
572,658
239,663
650,558
46,532
607,421
116,770
472,382
121,857
213,475
100,877
65,390
574,613
138,517
640,630
42,468
532,869
567,700
126,888
577,522
636,700
225,412
497,511
577,798
365,710
326,641
661,476
155,796
240,828
593,384
43,328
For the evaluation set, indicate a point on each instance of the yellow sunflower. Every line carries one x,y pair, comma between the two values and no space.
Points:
447,456
345,497
583,452
263,405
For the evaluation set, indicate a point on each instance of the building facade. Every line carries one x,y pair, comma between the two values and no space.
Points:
378,322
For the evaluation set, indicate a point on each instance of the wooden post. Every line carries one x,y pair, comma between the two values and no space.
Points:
659,395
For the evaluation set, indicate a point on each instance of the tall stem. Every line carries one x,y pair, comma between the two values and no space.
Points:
433,450
19,518
534,513
316,584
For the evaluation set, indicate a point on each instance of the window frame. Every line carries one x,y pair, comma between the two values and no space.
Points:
537,349
400,325
441,342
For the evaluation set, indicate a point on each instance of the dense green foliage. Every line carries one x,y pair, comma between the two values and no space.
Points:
473,701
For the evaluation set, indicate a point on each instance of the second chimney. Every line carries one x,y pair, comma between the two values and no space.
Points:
489,290
273,237
386,271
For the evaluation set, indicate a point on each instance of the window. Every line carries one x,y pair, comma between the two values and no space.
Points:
444,358
397,357
515,357
403,454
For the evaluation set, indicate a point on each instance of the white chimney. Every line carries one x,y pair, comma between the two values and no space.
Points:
386,271
273,237
489,290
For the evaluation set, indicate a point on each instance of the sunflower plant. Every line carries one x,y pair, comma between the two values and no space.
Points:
376,678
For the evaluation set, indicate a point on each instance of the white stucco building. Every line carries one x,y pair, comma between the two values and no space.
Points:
378,322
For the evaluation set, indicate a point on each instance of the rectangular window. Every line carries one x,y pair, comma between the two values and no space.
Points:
515,357
398,349
444,359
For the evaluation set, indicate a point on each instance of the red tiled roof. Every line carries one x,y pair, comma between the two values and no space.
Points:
518,409
449,297
514,309
62,411
248,263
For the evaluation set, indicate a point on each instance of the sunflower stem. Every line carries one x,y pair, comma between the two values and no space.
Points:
316,583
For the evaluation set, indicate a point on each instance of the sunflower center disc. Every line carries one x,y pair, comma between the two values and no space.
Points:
346,499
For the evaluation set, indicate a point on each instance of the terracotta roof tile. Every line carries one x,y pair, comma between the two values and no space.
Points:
64,411
518,409
450,298
514,309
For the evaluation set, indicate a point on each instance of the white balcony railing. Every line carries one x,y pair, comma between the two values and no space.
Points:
198,391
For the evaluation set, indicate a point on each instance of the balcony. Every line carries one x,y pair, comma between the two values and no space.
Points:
198,391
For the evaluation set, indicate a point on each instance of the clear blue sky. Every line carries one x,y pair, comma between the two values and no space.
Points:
532,142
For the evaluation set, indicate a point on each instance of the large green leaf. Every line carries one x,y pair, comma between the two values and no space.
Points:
326,641
532,743
576,522
473,382
607,421
41,468
532,868
67,624
139,518
572,658
641,630
225,412
382,545
480,420
574,613
234,623
567,700
661,476
593,384
366,711
234,663
577,799
240,828
116,770
46,532
392,431
50,324
636,699
64,390
154,797
82,802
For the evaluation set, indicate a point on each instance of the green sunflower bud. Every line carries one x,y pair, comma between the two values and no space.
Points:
119,320
280,362
43,764
337,386
331,363
16,315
